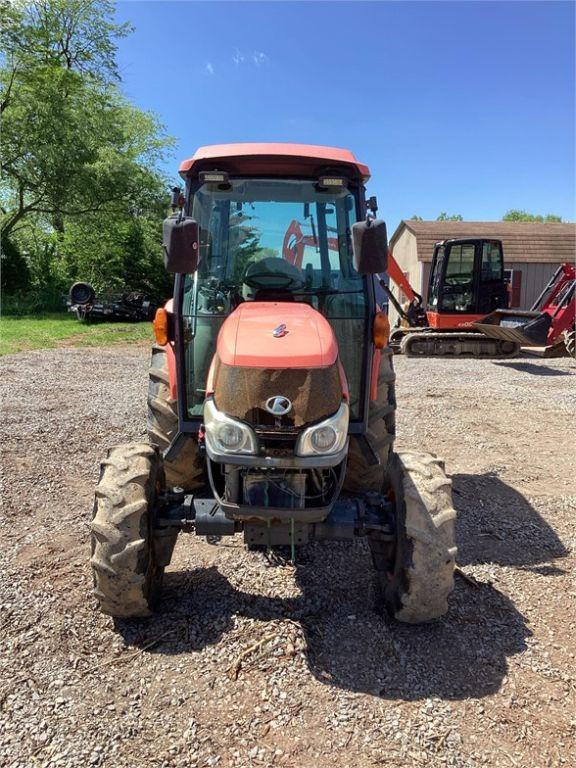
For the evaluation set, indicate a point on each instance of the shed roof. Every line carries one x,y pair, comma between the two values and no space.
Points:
523,241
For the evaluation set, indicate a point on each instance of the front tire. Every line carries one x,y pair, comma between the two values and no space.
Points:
185,470
361,475
416,576
127,576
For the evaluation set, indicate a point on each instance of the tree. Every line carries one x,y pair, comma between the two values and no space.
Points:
445,217
71,143
73,149
517,215
441,217
245,241
14,272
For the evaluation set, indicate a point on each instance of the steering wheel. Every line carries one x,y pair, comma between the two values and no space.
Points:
266,280
272,273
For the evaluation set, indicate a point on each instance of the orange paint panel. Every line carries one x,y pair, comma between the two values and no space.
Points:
374,374
171,359
210,377
437,320
292,152
247,339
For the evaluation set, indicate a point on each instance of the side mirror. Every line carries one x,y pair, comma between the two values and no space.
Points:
180,244
370,242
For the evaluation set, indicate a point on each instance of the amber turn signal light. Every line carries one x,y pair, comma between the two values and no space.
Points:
161,326
381,330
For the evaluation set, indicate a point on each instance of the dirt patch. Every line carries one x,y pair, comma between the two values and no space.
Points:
252,662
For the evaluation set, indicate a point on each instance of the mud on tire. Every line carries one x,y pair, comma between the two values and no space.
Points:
186,469
361,476
127,576
416,577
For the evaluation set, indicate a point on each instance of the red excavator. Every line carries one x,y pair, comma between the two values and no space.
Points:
468,297
467,312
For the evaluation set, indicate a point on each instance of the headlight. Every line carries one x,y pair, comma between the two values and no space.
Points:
226,435
329,436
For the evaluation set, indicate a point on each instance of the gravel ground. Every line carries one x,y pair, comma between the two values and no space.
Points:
321,680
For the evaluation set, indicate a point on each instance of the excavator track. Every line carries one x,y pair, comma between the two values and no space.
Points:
425,343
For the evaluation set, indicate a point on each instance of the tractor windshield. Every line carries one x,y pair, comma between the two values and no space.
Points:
282,240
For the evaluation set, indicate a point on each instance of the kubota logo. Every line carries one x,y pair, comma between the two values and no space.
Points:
278,405
280,331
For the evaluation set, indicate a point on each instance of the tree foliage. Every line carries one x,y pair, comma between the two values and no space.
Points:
445,217
441,217
517,215
80,183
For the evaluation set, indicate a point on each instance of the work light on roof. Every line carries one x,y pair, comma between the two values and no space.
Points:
213,177
332,182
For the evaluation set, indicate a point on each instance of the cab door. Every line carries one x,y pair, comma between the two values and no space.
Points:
457,286
467,278
492,290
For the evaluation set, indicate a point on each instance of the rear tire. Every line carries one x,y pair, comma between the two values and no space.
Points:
82,294
127,576
361,476
416,576
185,470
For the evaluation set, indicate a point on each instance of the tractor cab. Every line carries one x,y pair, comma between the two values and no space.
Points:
268,236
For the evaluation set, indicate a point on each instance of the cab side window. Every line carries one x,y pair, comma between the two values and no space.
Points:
492,266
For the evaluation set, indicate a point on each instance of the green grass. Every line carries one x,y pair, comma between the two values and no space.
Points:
19,334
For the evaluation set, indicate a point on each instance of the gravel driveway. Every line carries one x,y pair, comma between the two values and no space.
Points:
252,662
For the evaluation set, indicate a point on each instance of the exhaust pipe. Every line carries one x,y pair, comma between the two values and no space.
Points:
529,329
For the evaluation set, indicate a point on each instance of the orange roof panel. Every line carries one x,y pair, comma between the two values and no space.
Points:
272,156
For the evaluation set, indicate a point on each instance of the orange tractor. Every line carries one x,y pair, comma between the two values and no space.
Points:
271,393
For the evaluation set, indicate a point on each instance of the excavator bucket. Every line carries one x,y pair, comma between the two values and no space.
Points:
529,329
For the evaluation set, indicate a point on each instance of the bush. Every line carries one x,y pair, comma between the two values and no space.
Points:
33,302
13,267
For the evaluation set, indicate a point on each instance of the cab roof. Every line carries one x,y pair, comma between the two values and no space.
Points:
274,159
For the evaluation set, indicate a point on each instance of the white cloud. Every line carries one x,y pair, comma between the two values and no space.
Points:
209,68
259,58
238,57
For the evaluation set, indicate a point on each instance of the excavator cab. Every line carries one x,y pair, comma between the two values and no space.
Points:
466,284
467,278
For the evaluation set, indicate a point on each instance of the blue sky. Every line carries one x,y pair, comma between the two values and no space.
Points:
464,107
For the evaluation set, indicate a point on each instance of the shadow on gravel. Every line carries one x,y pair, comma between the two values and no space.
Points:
496,524
347,644
536,370
465,655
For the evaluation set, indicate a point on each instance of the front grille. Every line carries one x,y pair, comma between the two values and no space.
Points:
279,444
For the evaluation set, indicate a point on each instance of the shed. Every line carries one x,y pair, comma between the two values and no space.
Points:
532,252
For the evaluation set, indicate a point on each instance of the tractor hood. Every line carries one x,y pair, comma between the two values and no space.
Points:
281,335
